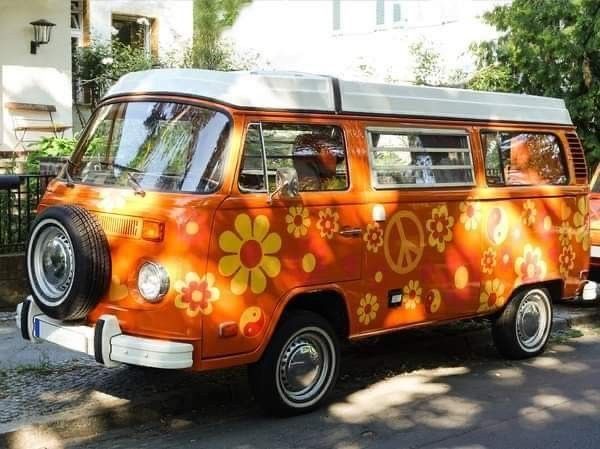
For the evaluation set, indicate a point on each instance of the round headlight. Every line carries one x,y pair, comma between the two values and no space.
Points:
152,281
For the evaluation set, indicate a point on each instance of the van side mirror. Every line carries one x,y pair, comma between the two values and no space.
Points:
286,184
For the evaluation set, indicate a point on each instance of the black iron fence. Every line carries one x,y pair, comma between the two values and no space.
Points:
19,197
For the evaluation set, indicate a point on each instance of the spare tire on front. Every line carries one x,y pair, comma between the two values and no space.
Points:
68,262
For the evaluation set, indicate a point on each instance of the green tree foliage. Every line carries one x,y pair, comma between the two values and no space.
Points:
211,18
551,48
99,65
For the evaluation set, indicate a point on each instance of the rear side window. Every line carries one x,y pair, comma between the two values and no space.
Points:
518,158
316,152
419,158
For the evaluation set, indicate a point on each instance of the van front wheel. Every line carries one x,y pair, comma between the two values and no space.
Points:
299,367
523,328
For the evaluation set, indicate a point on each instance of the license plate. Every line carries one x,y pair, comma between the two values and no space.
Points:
595,251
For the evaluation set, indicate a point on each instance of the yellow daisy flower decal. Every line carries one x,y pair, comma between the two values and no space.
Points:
252,258
564,233
373,237
470,215
367,310
488,261
328,223
297,221
529,213
440,228
566,260
412,295
492,295
530,266
196,294
580,220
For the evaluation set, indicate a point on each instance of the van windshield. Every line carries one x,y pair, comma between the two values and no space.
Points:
162,146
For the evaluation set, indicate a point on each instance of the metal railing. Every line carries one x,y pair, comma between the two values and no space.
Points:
19,198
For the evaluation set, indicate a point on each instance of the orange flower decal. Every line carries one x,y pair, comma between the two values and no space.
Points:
367,310
566,260
530,266
492,295
470,215
439,227
564,233
488,261
251,259
580,220
196,294
373,237
328,223
412,295
529,213
297,221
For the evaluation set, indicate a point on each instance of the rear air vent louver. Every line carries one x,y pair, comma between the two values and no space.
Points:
578,157
119,226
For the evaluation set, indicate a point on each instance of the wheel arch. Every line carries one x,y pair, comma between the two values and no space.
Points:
554,286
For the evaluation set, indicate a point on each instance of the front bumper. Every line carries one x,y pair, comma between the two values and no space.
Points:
104,341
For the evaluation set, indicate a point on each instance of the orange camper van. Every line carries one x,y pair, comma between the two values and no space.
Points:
210,219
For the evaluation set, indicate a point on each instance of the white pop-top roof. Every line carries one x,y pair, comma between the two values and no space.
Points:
305,92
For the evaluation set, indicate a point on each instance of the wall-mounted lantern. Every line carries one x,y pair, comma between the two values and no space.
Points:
42,30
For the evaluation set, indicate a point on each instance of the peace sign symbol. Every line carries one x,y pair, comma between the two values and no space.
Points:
403,242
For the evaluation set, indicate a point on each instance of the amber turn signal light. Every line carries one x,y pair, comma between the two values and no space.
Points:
153,231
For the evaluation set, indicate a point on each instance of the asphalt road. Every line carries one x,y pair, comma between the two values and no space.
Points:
483,403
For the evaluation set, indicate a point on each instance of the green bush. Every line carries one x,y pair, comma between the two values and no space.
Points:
59,147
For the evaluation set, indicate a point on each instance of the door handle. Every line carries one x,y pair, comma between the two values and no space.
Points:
347,231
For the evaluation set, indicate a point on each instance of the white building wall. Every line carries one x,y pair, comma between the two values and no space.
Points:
299,35
43,78
174,20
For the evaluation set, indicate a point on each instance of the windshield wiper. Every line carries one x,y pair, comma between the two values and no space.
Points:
135,185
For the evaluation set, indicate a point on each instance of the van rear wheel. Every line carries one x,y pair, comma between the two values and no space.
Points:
523,328
300,366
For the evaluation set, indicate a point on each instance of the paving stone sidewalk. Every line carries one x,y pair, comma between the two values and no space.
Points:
40,382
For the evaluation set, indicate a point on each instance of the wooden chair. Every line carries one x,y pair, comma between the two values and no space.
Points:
34,118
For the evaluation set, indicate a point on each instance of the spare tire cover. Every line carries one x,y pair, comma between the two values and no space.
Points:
68,262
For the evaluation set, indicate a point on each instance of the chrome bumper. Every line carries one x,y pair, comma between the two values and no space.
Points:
104,341
588,291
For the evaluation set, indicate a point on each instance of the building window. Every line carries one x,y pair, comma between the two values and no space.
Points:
419,158
397,12
316,152
337,24
379,12
134,31
517,158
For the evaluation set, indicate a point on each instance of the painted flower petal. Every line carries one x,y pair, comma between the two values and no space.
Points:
243,226
239,283
229,264
261,227
272,243
271,265
229,242
191,277
258,281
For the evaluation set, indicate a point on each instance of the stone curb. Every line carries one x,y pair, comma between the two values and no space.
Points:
120,414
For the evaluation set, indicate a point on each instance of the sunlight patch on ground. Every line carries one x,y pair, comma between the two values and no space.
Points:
383,400
552,363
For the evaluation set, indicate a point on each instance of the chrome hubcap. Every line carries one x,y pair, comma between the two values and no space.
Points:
304,366
53,262
532,321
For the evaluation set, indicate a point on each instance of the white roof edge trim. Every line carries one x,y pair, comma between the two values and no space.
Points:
306,92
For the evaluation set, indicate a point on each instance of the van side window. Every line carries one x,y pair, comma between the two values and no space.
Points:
419,158
316,152
518,158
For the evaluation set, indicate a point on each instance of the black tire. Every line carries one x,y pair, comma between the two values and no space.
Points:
516,332
266,378
88,271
